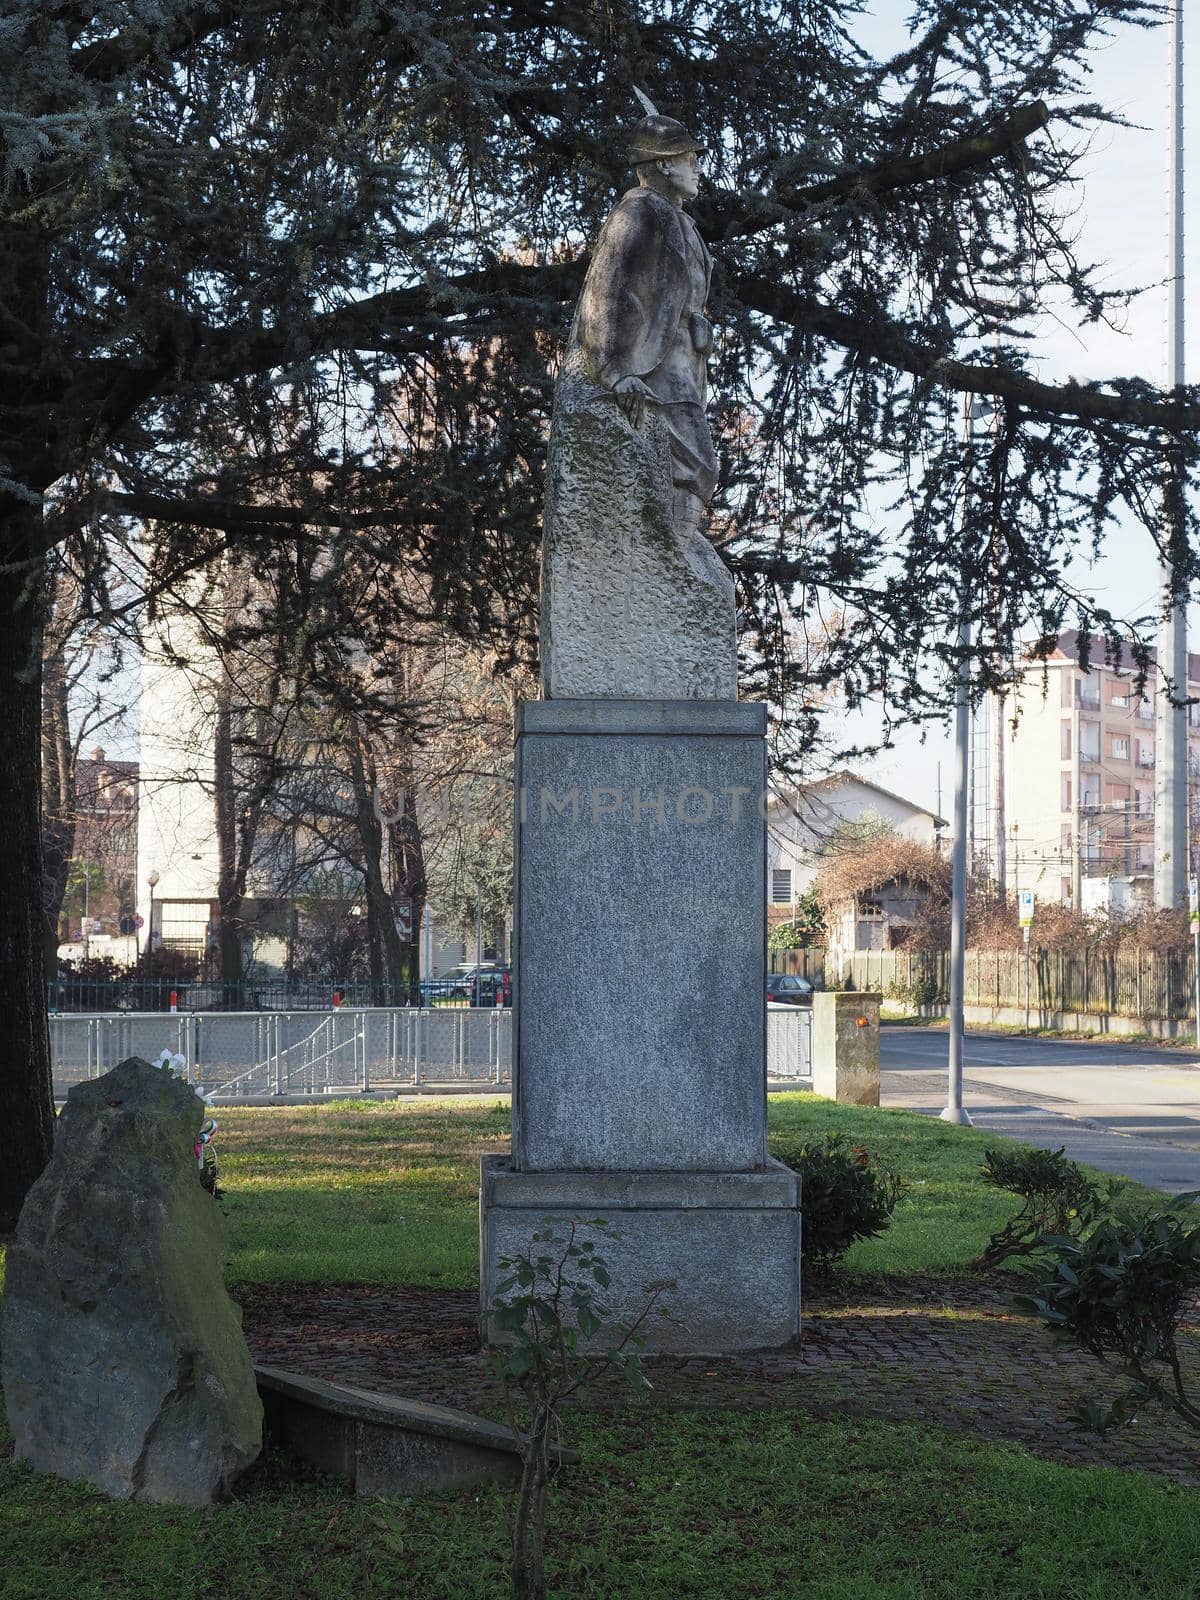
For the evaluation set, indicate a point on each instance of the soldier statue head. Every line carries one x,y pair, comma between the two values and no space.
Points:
665,155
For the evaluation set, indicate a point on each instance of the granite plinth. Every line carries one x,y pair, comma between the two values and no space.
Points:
728,1241
640,961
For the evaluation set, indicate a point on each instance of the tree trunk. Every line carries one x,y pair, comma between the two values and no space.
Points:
26,1101
229,888
58,801
409,882
387,955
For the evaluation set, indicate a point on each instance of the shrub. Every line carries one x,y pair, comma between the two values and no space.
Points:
549,1305
923,991
846,1194
1120,1294
1057,1197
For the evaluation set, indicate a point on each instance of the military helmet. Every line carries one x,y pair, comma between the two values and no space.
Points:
656,137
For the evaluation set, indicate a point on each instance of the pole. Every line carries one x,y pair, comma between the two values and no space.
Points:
1170,809
963,787
954,1111
1025,931
937,832
478,986
996,729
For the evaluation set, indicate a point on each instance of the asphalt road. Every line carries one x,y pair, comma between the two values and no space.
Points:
1124,1108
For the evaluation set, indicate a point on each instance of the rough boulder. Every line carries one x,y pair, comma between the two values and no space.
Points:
124,1362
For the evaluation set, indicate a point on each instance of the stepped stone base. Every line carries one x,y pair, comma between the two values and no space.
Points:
730,1241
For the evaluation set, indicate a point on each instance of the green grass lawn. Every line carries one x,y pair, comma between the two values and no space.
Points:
702,1502
699,1504
387,1192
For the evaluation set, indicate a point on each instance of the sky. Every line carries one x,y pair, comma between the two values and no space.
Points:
1123,223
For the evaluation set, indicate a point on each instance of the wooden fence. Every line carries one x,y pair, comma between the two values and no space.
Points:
1130,984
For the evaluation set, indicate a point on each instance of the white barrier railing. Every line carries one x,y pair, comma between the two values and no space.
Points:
359,1048
789,1042
236,1053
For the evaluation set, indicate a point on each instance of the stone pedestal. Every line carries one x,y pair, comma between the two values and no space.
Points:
639,1075
845,1047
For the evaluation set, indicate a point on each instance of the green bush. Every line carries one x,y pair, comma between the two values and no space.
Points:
1057,1197
1120,1294
808,926
920,992
846,1195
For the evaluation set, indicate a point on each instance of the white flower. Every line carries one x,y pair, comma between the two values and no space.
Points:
171,1063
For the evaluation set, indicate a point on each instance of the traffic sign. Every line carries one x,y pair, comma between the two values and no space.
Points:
1025,907
1194,899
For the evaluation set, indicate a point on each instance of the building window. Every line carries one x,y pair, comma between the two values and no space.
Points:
1066,791
781,886
1145,857
1089,741
183,924
1145,752
1064,889
1118,747
1065,740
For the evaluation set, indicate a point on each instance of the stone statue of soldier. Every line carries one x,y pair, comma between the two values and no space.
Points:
636,602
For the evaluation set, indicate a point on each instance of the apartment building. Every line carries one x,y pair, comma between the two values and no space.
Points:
1079,780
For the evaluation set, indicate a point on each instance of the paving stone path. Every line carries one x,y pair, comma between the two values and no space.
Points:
945,1353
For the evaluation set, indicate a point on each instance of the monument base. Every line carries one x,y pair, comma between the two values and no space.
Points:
730,1241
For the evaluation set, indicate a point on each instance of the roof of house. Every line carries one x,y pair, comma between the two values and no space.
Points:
844,775
1066,649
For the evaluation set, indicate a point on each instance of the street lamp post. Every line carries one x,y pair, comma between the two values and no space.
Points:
152,882
954,1110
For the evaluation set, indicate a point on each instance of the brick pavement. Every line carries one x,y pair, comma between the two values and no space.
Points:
944,1353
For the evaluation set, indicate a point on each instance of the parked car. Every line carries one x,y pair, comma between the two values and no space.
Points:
479,984
788,989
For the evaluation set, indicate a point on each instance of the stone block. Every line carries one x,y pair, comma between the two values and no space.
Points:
845,1047
632,605
124,1363
639,933
730,1241
382,1444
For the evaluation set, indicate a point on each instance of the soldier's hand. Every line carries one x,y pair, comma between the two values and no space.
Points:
632,395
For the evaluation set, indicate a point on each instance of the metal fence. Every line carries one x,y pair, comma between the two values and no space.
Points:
352,1050
134,993
789,1042
1157,985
